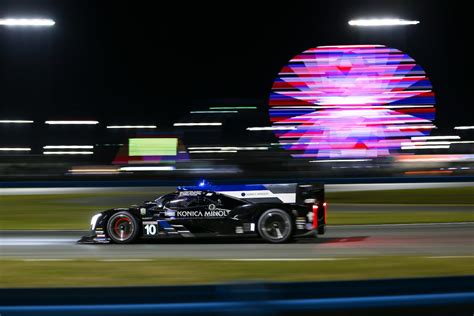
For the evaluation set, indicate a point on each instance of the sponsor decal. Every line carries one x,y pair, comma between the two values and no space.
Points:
142,211
215,212
190,193
150,229
261,194
170,213
256,193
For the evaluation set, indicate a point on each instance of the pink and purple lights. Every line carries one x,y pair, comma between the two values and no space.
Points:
350,101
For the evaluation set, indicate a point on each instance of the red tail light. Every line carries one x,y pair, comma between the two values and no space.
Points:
315,216
325,206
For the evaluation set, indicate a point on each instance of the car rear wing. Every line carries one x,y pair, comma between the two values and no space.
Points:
310,193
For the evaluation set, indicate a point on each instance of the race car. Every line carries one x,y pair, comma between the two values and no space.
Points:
275,212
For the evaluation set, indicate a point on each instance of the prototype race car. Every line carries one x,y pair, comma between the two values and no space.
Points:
274,212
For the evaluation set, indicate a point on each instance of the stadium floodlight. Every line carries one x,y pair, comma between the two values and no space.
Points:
464,127
68,147
26,22
15,149
71,122
382,22
68,153
198,124
270,128
148,168
419,143
131,126
434,137
16,121
425,147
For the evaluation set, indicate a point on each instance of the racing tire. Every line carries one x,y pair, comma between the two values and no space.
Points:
122,228
275,226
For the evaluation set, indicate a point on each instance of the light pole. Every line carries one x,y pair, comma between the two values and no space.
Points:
381,22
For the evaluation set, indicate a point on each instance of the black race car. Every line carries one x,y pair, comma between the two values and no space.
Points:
274,212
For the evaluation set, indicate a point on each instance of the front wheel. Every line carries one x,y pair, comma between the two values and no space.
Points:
122,228
275,226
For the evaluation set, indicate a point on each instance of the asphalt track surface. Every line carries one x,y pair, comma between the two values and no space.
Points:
437,240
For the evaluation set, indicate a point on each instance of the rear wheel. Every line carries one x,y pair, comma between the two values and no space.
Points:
275,226
122,228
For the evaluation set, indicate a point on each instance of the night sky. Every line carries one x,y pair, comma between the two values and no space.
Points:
147,62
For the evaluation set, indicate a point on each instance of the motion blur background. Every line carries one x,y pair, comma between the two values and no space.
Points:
183,92
120,101
117,102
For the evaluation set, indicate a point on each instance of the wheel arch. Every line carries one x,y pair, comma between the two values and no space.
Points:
281,206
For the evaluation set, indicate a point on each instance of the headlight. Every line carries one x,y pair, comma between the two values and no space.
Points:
94,220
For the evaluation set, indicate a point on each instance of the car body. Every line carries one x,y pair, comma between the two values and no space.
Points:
274,212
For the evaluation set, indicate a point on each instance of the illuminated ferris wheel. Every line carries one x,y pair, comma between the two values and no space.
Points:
352,101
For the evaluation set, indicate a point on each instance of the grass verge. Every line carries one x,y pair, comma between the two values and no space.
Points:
73,211
18,273
60,211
